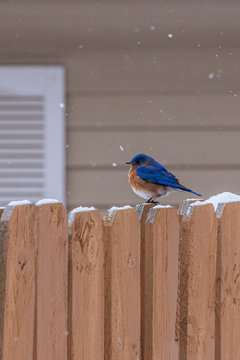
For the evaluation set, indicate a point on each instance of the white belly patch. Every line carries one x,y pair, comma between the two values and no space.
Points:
142,194
148,195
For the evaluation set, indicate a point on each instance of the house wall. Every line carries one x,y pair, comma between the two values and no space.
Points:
130,88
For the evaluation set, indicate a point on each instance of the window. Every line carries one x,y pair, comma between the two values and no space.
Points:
32,133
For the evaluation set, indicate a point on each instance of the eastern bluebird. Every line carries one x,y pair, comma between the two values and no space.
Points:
150,180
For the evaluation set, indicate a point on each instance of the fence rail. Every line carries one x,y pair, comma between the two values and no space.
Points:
150,283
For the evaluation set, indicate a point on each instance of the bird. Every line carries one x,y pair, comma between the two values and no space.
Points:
151,180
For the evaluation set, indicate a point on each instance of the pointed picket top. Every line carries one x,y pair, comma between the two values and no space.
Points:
7,211
111,214
153,210
47,201
185,204
217,201
141,209
227,207
80,209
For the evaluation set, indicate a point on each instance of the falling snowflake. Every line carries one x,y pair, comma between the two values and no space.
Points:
211,75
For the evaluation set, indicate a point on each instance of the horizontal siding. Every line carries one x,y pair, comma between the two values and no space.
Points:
115,24
194,147
103,188
156,71
179,110
129,72
148,72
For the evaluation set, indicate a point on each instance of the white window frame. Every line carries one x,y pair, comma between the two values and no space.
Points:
47,81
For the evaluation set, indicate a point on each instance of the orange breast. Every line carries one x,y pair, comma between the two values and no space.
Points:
133,178
141,185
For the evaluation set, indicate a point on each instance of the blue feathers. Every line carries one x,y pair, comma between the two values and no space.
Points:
157,174
152,171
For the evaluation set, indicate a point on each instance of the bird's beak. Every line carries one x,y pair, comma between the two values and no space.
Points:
128,163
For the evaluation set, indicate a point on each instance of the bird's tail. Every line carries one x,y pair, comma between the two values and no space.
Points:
183,188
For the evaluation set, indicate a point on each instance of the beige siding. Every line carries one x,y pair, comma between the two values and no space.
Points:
176,101
153,109
172,111
174,147
37,28
143,71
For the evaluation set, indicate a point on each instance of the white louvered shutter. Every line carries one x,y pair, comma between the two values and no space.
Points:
32,133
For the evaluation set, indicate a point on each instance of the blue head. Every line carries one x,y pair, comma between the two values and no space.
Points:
140,160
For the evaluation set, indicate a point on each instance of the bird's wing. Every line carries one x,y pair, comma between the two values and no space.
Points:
158,175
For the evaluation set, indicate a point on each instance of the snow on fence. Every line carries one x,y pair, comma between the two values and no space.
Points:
144,284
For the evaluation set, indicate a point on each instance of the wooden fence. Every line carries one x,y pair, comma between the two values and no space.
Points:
143,284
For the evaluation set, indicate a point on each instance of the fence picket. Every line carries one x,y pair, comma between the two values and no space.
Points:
86,287
142,212
198,248
161,234
228,346
18,241
122,286
52,282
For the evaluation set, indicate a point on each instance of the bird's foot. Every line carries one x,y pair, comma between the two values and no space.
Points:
151,201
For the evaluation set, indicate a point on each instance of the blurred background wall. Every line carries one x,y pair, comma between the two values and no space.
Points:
159,77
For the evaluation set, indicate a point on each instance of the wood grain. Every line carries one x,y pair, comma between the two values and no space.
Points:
198,249
3,237
122,286
18,271
161,284
52,282
145,267
228,301
1,211
86,287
